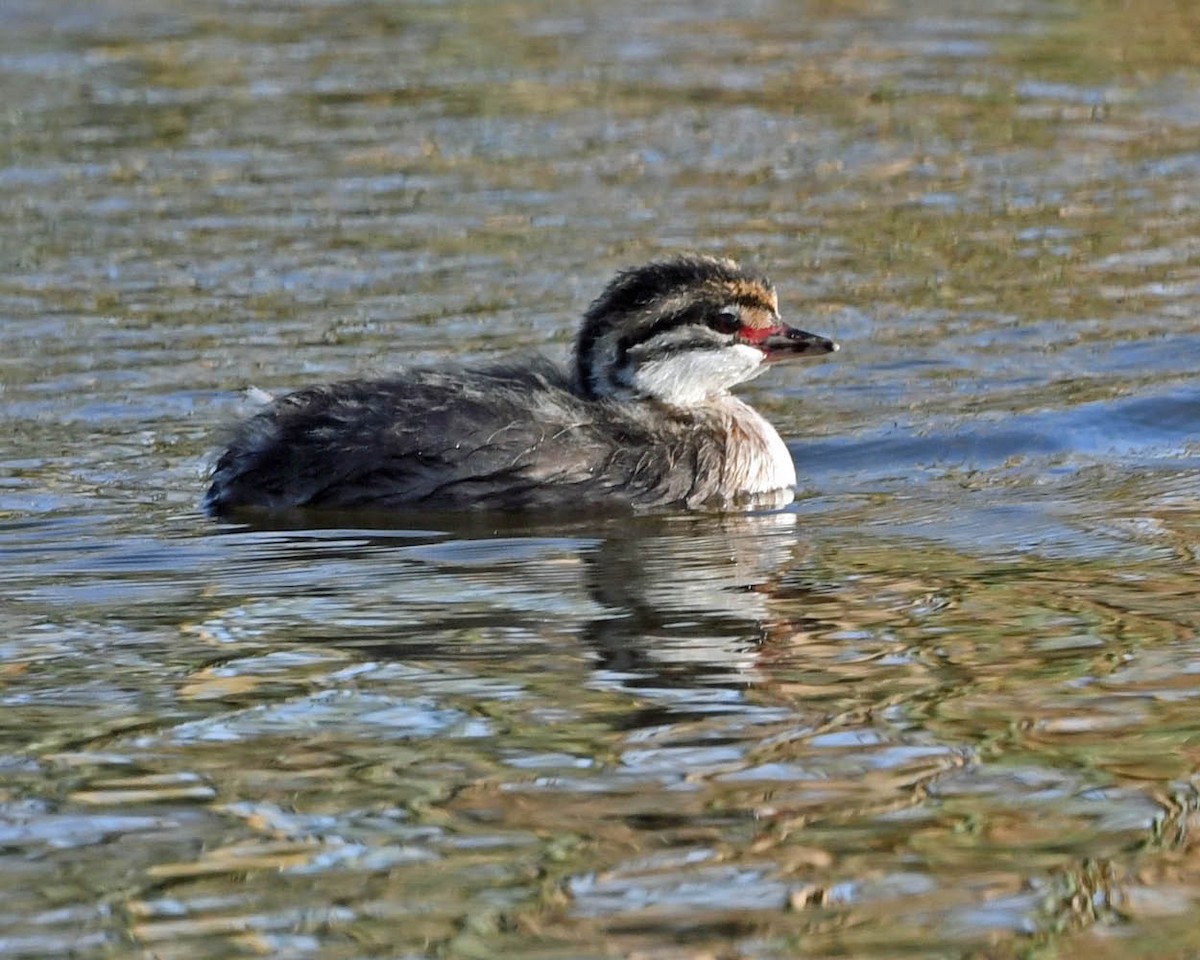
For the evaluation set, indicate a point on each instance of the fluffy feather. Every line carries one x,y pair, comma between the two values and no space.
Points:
660,430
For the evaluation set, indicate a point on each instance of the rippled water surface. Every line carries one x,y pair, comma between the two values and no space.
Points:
946,704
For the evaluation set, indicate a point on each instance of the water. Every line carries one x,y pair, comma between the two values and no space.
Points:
946,704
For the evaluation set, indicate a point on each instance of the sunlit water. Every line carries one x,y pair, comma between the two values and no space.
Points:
949,702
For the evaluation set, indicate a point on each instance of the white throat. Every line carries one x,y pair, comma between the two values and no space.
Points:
689,378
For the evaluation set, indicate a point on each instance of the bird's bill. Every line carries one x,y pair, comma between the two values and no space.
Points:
787,343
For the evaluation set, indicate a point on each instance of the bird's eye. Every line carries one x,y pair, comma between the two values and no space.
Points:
725,322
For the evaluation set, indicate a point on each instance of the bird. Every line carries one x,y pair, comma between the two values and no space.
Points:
642,419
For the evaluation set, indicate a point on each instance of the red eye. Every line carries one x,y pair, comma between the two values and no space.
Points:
726,322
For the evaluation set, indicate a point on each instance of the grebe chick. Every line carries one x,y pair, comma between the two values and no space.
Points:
645,419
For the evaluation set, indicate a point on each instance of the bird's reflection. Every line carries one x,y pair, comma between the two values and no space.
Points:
667,600
688,597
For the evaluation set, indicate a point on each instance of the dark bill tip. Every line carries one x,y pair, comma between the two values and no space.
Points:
788,343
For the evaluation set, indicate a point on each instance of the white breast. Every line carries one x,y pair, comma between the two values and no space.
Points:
757,460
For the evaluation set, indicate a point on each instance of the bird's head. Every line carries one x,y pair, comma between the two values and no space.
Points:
684,330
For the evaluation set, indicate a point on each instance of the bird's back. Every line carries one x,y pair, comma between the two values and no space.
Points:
505,437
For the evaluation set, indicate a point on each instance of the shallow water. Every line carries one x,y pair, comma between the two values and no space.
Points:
946,704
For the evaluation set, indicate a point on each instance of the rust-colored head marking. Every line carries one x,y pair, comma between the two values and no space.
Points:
756,294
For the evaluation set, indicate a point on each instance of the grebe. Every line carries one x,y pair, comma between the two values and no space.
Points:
644,420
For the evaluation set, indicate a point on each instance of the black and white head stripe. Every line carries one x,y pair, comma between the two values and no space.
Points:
649,302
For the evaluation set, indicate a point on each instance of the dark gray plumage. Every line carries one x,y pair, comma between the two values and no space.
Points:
646,420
